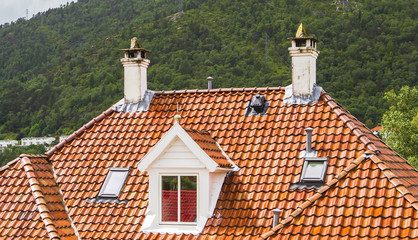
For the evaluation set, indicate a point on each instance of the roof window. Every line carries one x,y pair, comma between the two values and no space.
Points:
314,169
114,182
257,106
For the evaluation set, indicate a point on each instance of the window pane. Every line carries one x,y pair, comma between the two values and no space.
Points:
314,170
169,203
115,180
188,199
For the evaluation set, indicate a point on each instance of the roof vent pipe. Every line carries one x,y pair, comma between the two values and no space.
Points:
209,82
308,131
276,215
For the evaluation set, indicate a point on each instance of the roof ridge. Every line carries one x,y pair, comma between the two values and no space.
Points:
32,155
394,179
347,118
16,160
39,199
7,165
219,90
359,130
79,131
318,194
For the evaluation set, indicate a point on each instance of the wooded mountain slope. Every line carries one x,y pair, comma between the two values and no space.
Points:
61,68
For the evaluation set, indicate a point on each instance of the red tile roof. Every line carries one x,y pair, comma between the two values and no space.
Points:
343,210
360,194
31,203
210,146
377,128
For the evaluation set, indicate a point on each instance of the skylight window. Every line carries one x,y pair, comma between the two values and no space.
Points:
114,182
314,169
179,199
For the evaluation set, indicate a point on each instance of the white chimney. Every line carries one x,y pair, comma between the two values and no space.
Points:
303,52
135,66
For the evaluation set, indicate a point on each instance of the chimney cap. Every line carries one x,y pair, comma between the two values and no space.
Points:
301,33
209,78
135,46
135,43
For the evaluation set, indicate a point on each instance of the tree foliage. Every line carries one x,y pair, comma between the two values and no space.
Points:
400,123
61,68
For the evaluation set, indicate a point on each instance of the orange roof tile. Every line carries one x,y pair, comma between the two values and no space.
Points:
210,146
35,207
377,128
359,195
353,207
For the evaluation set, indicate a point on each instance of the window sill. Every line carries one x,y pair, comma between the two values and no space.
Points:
173,229
150,226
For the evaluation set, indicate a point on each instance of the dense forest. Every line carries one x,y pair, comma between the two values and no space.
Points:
61,68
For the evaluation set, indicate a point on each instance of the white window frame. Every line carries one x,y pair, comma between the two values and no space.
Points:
307,160
106,182
161,175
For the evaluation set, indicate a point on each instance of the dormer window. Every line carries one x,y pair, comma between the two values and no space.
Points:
114,182
314,169
179,199
186,171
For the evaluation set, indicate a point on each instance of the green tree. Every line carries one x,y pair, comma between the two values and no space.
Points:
400,123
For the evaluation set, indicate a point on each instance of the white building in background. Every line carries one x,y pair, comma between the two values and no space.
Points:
5,143
37,141
63,137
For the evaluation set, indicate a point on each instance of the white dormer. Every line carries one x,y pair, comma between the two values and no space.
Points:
186,171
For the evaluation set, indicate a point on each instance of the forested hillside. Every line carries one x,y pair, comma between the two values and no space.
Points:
61,68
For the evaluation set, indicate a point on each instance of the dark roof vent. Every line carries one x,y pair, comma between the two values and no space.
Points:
258,101
257,106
